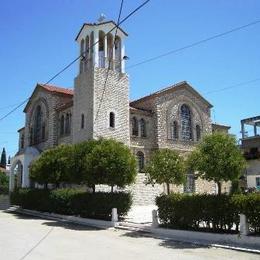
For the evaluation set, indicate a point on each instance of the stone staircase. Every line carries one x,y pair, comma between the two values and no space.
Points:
4,202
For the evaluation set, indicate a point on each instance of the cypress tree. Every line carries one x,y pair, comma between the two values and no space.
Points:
3,158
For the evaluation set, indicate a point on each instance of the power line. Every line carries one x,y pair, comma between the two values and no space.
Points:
9,113
10,106
109,63
76,59
233,86
193,44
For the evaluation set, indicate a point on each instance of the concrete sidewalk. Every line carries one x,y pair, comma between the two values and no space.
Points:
140,214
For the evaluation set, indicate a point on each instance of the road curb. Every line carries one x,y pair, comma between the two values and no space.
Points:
101,224
234,242
192,237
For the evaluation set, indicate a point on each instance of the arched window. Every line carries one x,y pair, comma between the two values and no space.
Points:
43,131
143,127
189,186
174,130
140,161
112,119
67,124
22,141
31,136
37,125
82,121
186,129
134,126
198,133
62,125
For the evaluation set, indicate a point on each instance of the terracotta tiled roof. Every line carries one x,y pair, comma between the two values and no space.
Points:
57,89
50,88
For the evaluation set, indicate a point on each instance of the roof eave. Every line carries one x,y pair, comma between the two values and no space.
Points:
95,24
171,88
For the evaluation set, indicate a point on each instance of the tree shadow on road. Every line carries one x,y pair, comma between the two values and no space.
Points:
21,215
71,226
168,243
54,222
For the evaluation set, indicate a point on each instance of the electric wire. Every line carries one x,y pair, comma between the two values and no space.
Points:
109,63
76,59
233,86
145,61
193,44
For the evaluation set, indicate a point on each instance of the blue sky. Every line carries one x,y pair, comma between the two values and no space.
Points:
37,40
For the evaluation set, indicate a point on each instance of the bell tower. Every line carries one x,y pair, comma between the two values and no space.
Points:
101,88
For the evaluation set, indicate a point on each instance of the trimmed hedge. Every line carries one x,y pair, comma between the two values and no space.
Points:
250,206
73,202
4,183
217,213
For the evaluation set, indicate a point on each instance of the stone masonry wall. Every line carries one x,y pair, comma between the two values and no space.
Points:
49,102
147,142
168,109
83,104
111,94
66,138
143,194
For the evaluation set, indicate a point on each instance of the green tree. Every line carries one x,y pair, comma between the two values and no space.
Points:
166,166
111,163
4,181
217,158
3,158
53,166
80,173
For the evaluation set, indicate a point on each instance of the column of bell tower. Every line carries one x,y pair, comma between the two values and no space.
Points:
101,88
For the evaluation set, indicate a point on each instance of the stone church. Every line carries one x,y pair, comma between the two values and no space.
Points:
176,117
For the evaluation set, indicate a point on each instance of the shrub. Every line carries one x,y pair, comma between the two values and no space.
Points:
211,212
250,206
99,205
4,181
216,213
73,202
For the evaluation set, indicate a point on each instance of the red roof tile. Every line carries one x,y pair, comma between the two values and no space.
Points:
57,89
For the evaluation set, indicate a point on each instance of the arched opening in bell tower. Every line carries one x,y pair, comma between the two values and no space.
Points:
87,53
101,50
110,50
118,53
81,68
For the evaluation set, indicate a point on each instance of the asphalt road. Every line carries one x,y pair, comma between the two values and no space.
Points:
23,237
